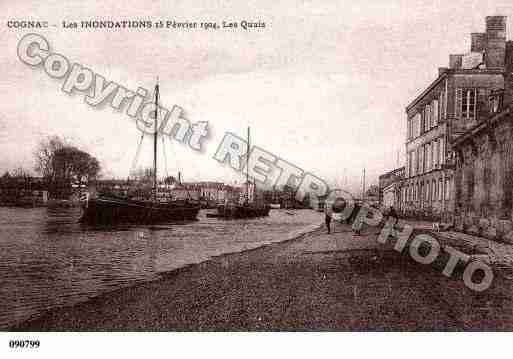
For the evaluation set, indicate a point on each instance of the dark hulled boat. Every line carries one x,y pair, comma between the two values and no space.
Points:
241,211
108,209
247,209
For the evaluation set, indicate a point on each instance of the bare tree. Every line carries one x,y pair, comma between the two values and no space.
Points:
61,164
44,155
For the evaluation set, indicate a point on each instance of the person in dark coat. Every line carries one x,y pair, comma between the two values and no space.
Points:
327,219
393,214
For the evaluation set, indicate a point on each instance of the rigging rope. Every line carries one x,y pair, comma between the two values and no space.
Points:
137,153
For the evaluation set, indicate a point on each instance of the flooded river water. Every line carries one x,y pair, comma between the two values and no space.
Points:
48,259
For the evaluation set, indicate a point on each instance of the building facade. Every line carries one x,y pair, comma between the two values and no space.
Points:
391,196
484,168
455,102
385,180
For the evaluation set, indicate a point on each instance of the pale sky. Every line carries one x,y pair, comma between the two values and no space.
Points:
323,86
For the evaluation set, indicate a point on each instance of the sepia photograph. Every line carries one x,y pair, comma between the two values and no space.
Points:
216,171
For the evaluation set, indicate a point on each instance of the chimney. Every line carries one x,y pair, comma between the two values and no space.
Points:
455,61
495,41
478,42
508,76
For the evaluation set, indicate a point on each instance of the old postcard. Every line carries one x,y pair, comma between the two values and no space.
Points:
258,166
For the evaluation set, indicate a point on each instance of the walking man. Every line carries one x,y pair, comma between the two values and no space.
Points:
327,219
393,214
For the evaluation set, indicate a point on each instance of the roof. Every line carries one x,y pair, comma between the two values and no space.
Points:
446,74
390,186
393,172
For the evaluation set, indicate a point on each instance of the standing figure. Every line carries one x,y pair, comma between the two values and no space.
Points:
327,219
393,214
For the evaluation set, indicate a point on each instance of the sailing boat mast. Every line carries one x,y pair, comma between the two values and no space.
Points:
247,168
155,141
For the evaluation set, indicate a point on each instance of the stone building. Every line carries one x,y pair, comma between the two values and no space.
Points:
385,181
484,168
456,101
391,196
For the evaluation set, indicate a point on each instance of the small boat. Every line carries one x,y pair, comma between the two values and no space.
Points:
110,209
247,209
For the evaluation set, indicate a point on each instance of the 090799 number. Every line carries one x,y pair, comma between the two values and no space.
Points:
24,344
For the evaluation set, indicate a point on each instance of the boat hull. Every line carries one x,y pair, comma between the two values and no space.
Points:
242,211
109,211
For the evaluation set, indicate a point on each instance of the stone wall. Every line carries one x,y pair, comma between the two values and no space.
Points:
484,181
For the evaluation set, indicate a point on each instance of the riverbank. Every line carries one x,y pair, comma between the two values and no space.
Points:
315,282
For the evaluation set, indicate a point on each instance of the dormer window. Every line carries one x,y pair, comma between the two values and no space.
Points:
495,101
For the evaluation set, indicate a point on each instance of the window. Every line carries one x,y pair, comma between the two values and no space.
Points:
420,160
447,191
436,153
440,189
428,157
411,164
436,111
466,103
443,103
427,118
433,190
441,110
418,120
442,150
432,155
495,102
407,167
414,126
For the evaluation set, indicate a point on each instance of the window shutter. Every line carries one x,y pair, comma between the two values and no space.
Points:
437,153
481,99
428,158
407,165
435,112
441,109
433,153
459,99
419,123
421,160
412,163
442,150
426,119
